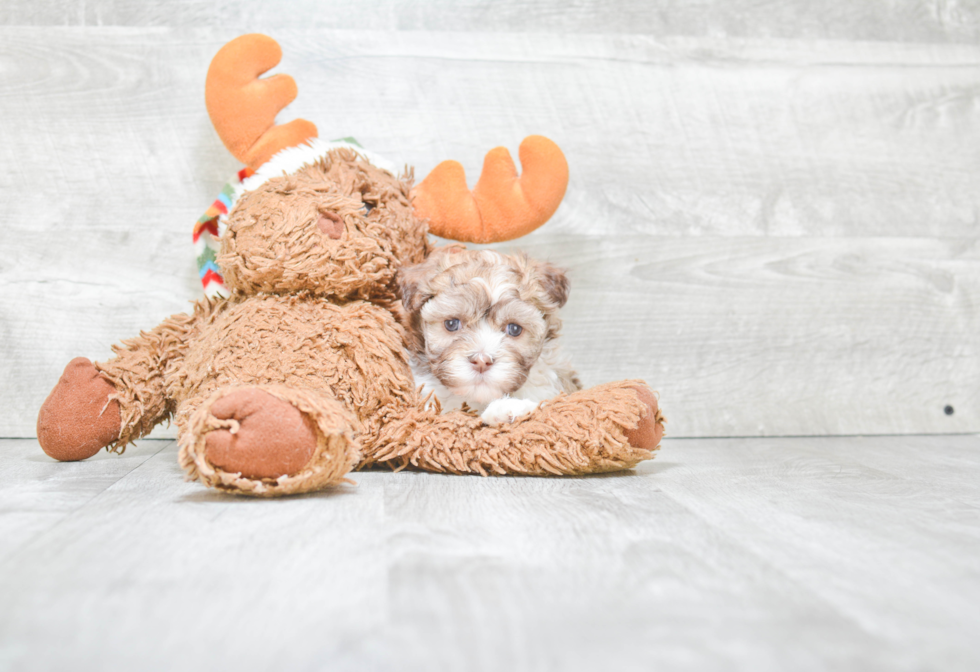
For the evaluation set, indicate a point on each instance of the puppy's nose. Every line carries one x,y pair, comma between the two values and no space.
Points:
481,362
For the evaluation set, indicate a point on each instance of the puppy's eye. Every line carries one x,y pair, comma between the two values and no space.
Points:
452,325
514,330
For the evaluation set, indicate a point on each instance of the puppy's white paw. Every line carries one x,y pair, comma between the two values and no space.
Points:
506,410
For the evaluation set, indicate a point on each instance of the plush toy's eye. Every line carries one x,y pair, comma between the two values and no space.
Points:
452,325
514,330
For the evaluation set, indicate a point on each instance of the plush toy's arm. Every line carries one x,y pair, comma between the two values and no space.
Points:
137,372
112,403
605,428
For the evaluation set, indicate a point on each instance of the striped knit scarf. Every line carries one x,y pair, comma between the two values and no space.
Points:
207,237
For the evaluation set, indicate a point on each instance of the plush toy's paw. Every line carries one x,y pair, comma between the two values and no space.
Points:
77,419
506,410
650,428
268,438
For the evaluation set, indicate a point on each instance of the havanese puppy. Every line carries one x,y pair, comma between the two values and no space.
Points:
483,331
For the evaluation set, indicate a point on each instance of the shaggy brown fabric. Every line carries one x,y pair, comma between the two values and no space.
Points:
80,416
274,242
303,374
581,433
322,351
352,351
137,373
336,450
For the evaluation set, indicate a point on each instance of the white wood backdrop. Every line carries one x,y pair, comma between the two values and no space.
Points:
772,217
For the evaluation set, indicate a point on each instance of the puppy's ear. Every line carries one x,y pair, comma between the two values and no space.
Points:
452,248
554,282
413,281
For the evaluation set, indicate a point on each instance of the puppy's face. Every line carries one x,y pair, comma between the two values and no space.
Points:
480,319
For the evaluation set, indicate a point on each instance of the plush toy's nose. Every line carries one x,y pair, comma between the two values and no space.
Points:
331,224
481,362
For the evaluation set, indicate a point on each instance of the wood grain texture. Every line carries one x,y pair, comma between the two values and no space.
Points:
780,336
680,137
763,554
758,146
894,21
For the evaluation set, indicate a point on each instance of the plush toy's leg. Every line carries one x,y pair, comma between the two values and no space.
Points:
650,429
79,417
268,440
604,428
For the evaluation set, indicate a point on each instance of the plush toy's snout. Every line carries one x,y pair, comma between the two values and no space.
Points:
331,224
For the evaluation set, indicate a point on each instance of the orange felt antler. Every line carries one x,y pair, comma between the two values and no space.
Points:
243,107
502,206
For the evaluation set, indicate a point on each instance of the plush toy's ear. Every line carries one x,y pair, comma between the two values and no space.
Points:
411,282
243,107
502,206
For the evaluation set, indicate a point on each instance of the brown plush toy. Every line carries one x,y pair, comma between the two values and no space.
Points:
302,373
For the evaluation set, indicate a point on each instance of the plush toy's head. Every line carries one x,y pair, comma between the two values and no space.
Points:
339,228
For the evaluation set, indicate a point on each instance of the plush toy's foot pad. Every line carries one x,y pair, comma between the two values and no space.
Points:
77,419
650,429
268,438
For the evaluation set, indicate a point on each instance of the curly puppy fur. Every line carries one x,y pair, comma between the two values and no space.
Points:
484,327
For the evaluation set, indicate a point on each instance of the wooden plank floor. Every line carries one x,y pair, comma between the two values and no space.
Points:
763,554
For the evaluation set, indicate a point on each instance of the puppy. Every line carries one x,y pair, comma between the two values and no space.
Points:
483,329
